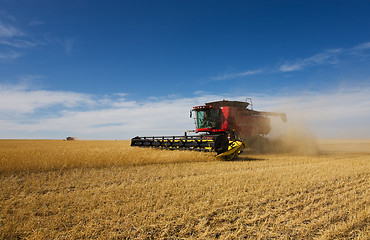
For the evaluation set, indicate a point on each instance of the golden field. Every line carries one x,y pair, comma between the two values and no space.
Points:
53,189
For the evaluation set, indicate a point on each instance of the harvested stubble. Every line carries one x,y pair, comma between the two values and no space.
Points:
260,196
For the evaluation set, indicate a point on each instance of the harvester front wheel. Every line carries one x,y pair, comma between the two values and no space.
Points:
221,143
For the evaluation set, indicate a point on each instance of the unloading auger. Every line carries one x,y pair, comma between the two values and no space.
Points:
223,126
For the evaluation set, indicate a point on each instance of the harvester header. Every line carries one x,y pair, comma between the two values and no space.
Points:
222,126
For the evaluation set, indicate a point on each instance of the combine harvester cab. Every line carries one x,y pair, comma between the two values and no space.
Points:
222,127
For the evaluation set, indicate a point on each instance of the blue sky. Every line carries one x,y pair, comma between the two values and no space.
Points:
116,69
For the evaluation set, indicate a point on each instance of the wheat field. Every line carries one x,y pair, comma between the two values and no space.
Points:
53,189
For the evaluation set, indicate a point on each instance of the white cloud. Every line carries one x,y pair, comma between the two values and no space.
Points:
18,43
339,113
232,75
9,31
329,56
362,46
326,57
68,45
36,23
12,39
9,55
15,38
17,99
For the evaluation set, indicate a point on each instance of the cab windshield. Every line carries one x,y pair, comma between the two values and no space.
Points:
206,118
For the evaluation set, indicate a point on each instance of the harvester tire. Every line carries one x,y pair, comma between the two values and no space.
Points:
221,143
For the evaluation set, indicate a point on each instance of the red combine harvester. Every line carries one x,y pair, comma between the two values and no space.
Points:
224,127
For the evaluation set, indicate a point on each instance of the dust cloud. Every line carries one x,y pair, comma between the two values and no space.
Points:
342,113
291,137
